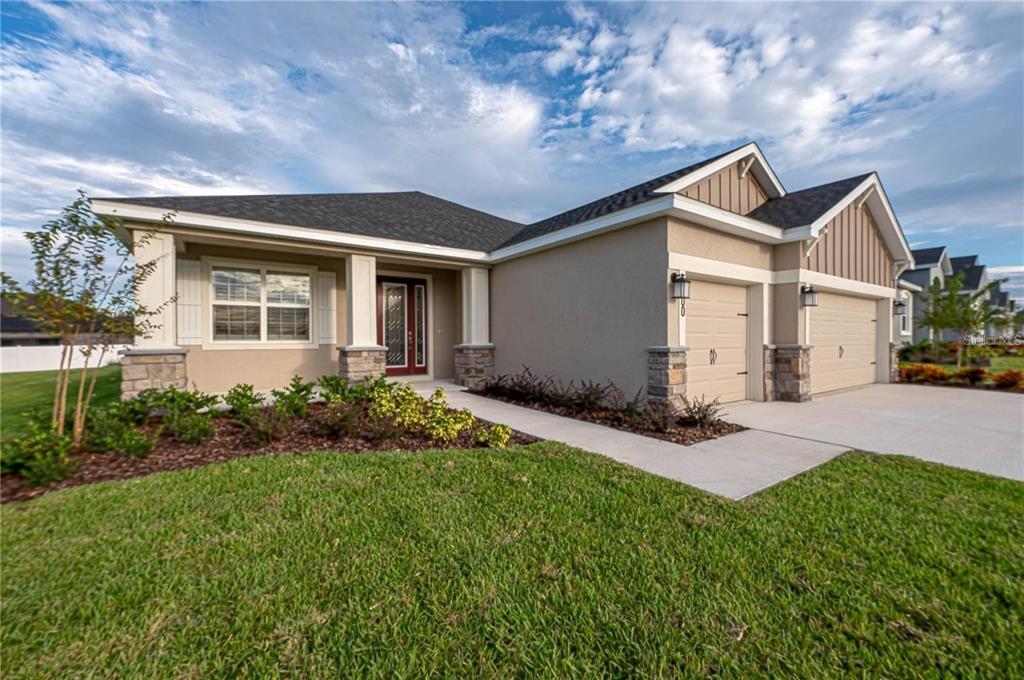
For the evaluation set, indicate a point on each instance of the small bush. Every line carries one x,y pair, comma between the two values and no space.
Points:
105,426
40,456
339,417
1009,379
134,443
294,401
700,411
268,425
140,409
923,373
244,401
660,416
173,400
383,429
494,437
335,387
189,427
971,375
443,424
399,402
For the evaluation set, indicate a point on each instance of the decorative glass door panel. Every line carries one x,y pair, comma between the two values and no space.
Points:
402,324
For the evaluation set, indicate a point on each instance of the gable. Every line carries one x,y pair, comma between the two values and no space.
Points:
853,248
727,190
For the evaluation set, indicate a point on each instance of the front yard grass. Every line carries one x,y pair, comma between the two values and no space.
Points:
999,364
23,393
539,560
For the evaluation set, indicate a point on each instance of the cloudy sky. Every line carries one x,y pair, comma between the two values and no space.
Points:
519,109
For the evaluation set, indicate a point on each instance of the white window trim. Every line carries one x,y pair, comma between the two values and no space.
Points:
207,283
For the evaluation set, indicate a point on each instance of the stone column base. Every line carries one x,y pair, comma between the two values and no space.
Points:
666,375
474,365
787,370
358,364
894,363
157,368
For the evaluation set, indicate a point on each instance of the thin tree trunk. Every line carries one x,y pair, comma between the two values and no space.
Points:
92,387
79,421
57,386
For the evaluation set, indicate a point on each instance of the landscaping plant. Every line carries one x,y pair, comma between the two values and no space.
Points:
294,401
701,411
949,308
84,291
334,387
268,425
443,424
42,455
339,417
245,403
494,437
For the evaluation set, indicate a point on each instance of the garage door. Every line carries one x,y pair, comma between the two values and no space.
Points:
716,335
843,338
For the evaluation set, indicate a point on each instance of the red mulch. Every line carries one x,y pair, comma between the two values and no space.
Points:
229,442
681,434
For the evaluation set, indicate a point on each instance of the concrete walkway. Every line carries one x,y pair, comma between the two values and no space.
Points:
979,430
733,466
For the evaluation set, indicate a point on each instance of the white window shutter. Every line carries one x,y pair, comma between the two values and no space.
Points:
190,302
327,303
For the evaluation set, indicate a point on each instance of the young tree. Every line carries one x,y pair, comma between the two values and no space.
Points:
85,291
951,309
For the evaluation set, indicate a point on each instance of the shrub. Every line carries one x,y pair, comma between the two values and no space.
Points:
339,417
294,401
268,425
173,400
399,402
700,411
134,443
335,387
1009,379
383,429
106,425
660,416
244,401
971,375
189,427
923,373
443,424
140,409
40,456
494,437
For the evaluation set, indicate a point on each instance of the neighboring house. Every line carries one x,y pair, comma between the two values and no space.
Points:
17,331
417,286
907,293
930,265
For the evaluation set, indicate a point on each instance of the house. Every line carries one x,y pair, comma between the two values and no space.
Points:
712,279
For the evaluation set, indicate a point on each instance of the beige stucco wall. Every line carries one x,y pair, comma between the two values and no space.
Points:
692,239
727,190
853,249
217,370
587,310
788,318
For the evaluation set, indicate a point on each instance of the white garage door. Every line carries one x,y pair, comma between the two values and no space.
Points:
843,332
716,335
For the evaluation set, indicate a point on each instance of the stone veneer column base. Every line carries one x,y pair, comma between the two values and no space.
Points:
156,368
894,363
787,373
358,364
666,375
474,365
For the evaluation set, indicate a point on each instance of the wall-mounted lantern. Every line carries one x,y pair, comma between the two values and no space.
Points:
680,290
809,296
899,307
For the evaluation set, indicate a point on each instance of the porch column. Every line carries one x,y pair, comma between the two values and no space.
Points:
474,357
360,358
886,361
155,361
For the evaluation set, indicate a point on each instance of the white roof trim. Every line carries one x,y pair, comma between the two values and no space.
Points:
129,211
909,286
761,170
723,220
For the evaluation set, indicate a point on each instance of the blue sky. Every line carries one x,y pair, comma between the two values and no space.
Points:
519,109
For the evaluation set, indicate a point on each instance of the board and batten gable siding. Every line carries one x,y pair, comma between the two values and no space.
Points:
852,249
728,191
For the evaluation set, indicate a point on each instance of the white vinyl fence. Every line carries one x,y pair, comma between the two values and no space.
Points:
46,358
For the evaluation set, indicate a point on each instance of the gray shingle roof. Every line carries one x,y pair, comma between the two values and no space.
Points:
405,216
962,262
620,200
927,256
803,207
972,276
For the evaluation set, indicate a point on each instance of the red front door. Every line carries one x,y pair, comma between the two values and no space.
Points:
402,324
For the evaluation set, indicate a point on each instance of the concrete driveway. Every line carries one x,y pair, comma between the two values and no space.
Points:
971,429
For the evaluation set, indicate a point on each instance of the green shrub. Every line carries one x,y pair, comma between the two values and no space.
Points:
173,400
443,424
244,401
335,387
339,417
40,456
269,425
383,429
140,409
494,437
189,427
134,443
105,425
294,401
700,411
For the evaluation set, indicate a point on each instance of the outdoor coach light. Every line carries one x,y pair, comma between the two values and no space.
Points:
809,296
680,290
899,307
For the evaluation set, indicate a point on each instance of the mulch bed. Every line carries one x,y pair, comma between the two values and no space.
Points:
681,434
229,442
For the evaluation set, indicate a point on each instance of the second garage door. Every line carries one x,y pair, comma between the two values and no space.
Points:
716,338
843,332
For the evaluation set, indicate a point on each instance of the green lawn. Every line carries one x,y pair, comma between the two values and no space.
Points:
22,393
541,560
998,364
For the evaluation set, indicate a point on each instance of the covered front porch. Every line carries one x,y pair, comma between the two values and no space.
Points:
260,311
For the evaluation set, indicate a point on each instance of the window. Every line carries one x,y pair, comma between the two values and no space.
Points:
905,317
255,304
